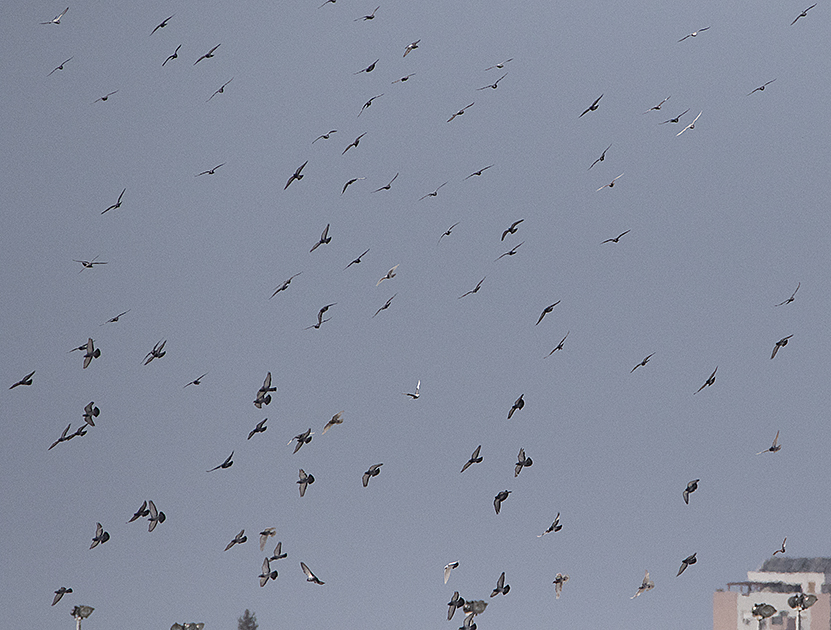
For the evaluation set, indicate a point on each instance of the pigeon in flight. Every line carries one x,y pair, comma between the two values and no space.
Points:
267,574
411,47
780,344
286,284
155,515
57,20
547,310
474,458
493,85
416,394
156,353
591,107
479,172
304,481
559,346
260,428
434,193
63,438
693,34
389,275
226,464
642,363
196,381
265,535
512,229
90,412
474,290
676,119
519,403
448,231
336,419
237,540
297,174
112,320
793,296
60,593
454,604
324,239
302,438
522,462
774,447
175,55
117,204
26,380
310,577
368,103
387,187
357,261
325,136
646,585
801,15
460,112
373,471
162,24
559,580
617,238
320,319
386,305
501,588
761,88
371,16
685,563
611,184
369,68
105,97
602,157
499,498
354,143
221,90
278,552
91,353
500,65
207,55
658,106
692,486
782,548
690,126
448,568
60,67
263,395
404,78
511,252
140,513
211,171
100,536
555,526
710,380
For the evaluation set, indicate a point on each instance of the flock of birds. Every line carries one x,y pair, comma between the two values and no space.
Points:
471,608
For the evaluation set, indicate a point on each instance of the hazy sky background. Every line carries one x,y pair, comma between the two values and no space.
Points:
725,221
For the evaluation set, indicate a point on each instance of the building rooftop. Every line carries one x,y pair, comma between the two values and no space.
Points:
797,565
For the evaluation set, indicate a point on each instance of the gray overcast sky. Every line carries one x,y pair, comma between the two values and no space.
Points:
725,221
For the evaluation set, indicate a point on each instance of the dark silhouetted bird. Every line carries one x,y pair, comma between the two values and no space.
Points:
479,172
642,363
27,380
658,106
263,395
285,285
117,204
140,513
801,15
267,574
474,459
793,295
373,471
91,353
460,112
207,55
302,438
499,498
694,33
354,143
155,516
692,486
350,182
685,563
175,55
617,238
60,67
60,593
371,16
100,536
773,447
761,88
304,481
57,20
555,526
522,462
226,464
325,136
63,438
454,604
387,187
90,412
386,305
519,403
336,419
162,24
112,320
278,552
297,174
369,68
260,428
675,120
781,549
368,103
559,346
196,381
156,353
211,171
411,47
501,587
357,261
221,90
474,290
602,156
511,252
780,344
547,310
495,84
104,98
237,540
710,380
591,107
512,229
434,193
325,239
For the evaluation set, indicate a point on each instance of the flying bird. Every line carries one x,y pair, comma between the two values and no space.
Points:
782,549
617,238
296,175
90,412
175,55
369,68
642,363
646,585
474,290
479,172
511,252
559,346
547,310
263,395
512,229
493,85
801,15
448,231
474,458
455,603
501,588
302,438
434,193
336,419
386,305
773,447
460,112
156,353
267,574
690,126
325,136
601,158
611,184
91,353
448,568
368,103
416,394
310,577
207,55
499,498
140,513
411,47
221,90
211,171
60,593
793,295
371,16
559,580
260,428
357,261
285,285
693,34
324,239
658,106
350,182
278,552
591,107
522,462
265,535
761,88
389,275
373,471
404,78
354,143
685,563
105,97
26,380
780,344
304,481
388,186
237,540
555,526
156,516
60,67
676,119
519,403
692,486
226,464
63,437
320,319
710,380
500,65
100,536
196,381
112,320
117,204
57,20
163,24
